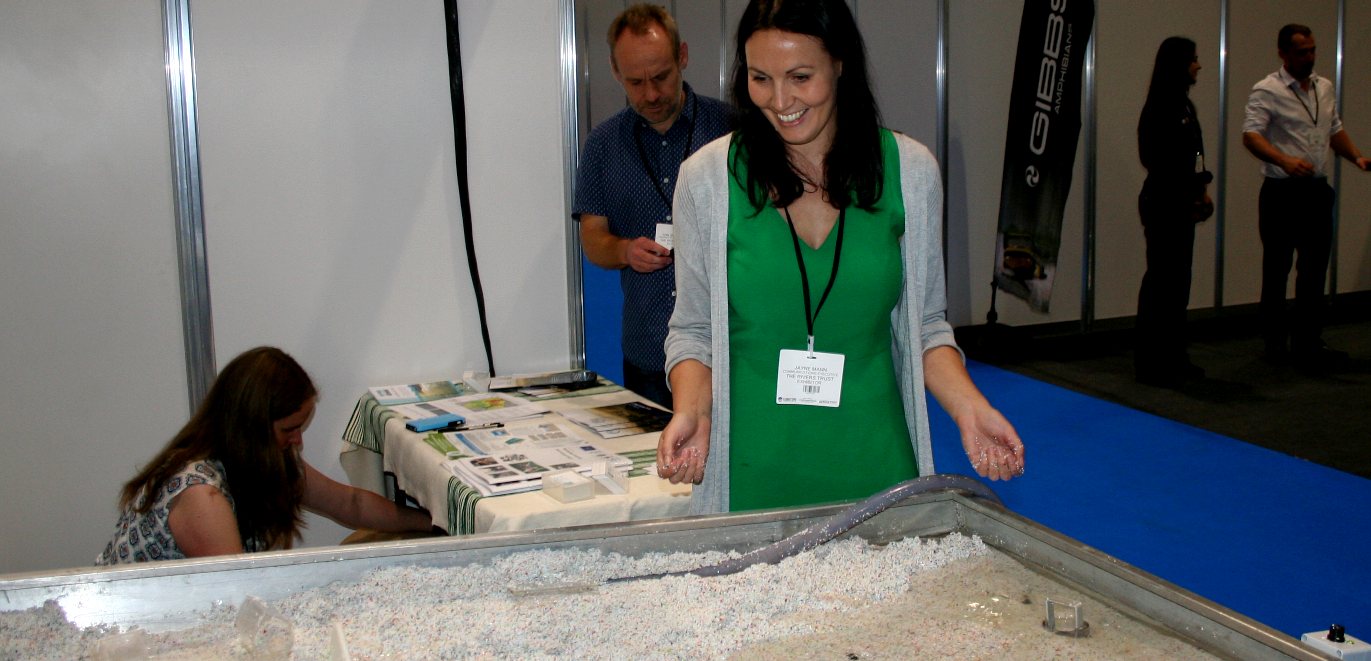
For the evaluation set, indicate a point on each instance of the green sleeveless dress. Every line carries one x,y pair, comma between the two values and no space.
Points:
788,455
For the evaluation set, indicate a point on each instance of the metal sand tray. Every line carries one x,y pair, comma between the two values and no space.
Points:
171,595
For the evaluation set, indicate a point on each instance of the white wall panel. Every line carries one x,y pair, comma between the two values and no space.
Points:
902,53
332,217
331,206
702,28
92,374
603,95
332,224
1354,222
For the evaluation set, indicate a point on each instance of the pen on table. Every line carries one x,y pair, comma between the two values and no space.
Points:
466,427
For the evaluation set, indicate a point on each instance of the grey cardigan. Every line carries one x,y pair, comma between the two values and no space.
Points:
699,325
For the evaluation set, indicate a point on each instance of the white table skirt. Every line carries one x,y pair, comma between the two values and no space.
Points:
419,472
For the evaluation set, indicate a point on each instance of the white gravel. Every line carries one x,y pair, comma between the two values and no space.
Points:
484,611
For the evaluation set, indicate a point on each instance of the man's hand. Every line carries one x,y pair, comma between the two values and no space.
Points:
645,255
1296,167
1363,163
1260,147
606,250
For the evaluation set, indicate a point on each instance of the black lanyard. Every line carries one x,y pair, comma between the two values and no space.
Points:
647,165
1314,89
1196,138
804,275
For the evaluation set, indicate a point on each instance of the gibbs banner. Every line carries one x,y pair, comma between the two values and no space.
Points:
1040,147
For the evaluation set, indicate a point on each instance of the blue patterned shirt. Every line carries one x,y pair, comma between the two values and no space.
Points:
633,189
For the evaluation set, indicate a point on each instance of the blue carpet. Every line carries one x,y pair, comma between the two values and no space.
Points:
1278,539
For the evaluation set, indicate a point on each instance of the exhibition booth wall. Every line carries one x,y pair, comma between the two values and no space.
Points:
332,228
943,72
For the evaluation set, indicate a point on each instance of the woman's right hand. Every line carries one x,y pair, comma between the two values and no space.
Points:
683,449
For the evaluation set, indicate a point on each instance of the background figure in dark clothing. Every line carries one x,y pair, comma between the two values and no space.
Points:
1174,198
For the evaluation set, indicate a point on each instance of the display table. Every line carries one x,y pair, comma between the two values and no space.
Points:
376,442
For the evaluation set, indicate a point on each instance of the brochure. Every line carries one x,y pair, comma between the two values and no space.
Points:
522,470
495,441
618,420
414,392
477,409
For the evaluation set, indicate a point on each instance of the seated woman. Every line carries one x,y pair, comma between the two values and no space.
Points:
233,480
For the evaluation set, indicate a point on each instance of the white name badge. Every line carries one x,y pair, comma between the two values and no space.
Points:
1317,139
664,232
809,379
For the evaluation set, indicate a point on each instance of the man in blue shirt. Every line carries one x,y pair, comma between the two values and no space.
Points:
627,178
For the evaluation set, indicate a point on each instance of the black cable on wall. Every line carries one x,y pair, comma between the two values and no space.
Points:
459,134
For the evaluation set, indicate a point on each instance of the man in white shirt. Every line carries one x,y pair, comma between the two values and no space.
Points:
1291,123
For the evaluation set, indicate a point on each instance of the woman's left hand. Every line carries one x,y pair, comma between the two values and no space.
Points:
683,449
991,444
1203,209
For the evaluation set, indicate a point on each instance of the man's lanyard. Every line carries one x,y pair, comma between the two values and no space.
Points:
647,165
1314,89
804,275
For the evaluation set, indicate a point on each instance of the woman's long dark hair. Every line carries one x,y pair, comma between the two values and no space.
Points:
1168,94
234,426
853,166
1171,71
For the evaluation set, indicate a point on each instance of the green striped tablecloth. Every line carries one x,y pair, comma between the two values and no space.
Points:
367,426
462,499
367,429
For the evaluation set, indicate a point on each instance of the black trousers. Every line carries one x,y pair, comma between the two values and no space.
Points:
1295,219
651,385
1164,296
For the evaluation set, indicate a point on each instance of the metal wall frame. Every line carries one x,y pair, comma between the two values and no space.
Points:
197,324
1221,187
940,149
1337,161
572,106
1091,164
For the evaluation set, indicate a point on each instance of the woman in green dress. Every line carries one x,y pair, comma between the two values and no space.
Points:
810,311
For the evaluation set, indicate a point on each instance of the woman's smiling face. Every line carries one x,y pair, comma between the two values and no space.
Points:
795,83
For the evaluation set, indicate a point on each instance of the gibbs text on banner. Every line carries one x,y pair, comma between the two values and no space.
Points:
1040,145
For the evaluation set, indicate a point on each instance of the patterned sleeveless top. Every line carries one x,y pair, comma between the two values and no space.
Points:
145,537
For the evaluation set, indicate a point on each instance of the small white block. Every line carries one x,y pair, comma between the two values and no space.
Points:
568,486
1351,649
608,481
